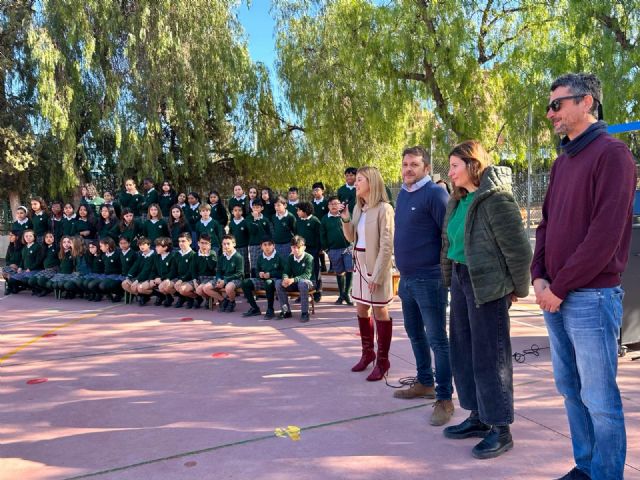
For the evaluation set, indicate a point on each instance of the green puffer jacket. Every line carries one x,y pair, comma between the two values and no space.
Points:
496,247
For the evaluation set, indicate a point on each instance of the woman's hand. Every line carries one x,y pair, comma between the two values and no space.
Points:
344,213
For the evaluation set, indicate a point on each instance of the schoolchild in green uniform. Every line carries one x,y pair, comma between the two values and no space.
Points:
308,227
340,250
12,257
67,263
167,198
166,270
296,277
22,222
239,228
210,226
139,279
284,227
154,226
129,227
50,263
131,198
55,221
30,262
320,209
109,281
268,200
204,270
239,198
107,225
192,211
229,275
347,192
293,201
68,220
269,268
177,225
109,201
185,258
259,228
218,211
84,225
150,194
128,257
39,217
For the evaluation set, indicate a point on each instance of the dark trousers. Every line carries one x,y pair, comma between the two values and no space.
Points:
316,278
480,351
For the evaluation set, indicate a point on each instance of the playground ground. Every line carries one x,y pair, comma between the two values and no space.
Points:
153,393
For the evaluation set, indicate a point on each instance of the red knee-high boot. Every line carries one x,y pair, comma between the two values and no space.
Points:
384,328
366,336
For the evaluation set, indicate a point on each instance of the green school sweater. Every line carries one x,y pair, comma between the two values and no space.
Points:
104,230
111,264
55,226
153,230
269,210
134,202
130,232
13,256
150,196
240,232
51,259
166,268
258,230
219,214
273,266
68,225
176,229
302,270
166,202
346,194
213,229
143,268
40,223
127,261
84,226
21,227
192,215
243,202
292,208
231,268
204,265
309,229
31,257
67,263
94,262
332,234
185,265
284,228
320,209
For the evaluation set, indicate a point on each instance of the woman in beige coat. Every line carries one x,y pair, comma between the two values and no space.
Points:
371,230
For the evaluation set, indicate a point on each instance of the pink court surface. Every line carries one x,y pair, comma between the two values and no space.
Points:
114,391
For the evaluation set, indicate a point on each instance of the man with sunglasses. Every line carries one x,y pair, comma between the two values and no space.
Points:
582,246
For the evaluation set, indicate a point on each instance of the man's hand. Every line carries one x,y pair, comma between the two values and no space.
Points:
539,285
549,302
220,284
287,282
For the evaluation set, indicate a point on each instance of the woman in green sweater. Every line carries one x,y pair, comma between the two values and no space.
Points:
485,260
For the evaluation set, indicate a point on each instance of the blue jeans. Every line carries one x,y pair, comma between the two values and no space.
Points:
584,350
424,304
481,351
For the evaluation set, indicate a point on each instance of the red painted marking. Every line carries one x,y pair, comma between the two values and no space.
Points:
186,319
220,354
49,335
35,381
190,464
356,334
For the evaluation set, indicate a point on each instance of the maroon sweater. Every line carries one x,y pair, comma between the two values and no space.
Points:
584,237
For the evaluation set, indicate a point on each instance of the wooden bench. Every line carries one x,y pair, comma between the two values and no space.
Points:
263,293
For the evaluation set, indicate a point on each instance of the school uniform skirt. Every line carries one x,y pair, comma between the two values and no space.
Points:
360,293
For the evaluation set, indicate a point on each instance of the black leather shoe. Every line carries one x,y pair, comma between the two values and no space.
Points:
223,305
471,427
252,312
197,302
575,474
159,300
179,303
168,301
497,442
269,314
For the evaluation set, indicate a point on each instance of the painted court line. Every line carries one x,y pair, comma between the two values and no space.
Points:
53,330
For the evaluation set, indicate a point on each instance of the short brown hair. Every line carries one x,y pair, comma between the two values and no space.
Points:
473,154
418,151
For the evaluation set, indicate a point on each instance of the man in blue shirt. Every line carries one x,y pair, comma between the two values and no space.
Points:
420,212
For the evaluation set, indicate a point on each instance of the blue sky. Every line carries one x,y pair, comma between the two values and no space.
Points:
259,27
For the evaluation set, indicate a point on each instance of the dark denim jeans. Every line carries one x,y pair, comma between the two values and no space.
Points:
424,307
584,352
481,351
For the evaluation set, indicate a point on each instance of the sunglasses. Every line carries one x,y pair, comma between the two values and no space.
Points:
556,104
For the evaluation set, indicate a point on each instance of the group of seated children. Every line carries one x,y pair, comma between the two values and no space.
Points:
99,270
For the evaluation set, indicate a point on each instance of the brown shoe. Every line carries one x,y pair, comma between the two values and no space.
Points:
442,412
417,390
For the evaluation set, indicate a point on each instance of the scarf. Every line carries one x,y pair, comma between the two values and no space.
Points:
582,141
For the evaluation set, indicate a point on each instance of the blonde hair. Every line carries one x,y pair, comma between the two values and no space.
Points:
476,158
377,191
77,246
